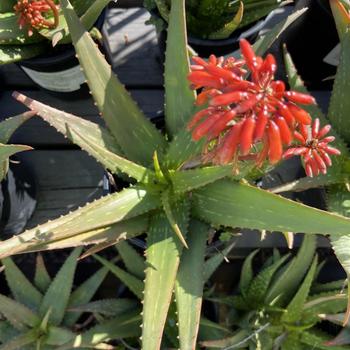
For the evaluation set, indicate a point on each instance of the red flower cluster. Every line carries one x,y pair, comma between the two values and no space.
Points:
31,14
313,148
244,113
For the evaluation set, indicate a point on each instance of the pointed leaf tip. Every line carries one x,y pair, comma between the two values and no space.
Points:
341,17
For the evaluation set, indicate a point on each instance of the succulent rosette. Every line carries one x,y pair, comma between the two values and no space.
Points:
250,115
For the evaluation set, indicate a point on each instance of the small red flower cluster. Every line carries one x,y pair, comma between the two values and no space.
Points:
254,118
31,14
313,148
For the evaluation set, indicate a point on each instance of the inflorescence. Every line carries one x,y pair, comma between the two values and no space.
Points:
255,118
33,14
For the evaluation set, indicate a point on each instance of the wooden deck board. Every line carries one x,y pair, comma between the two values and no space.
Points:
65,180
67,177
130,44
132,47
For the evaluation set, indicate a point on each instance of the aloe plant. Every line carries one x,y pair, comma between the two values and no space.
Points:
210,19
133,274
43,313
171,199
280,306
27,27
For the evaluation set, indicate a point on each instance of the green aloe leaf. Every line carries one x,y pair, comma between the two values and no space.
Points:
81,6
341,17
187,180
256,292
338,200
229,27
15,53
247,273
179,98
322,304
215,261
189,285
264,42
136,135
21,341
231,342
295,307
224,203
7,5
163,257
306,182
21,288
167,201
106,307
10,125
339,108
19,316
91,13
83,295
183,149
67,124
100,238
42,279
288,281
209,330
93,138
317,340
57,336
7,332
133,283
56,299
259,9
7,151
327,287
124,326
133,261
95,217
163,8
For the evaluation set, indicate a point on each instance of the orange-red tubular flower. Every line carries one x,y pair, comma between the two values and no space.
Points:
246,138
221,125
261,124
300,114
205,127
226,150
275,143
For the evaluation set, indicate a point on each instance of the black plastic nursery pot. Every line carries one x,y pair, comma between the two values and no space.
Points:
58,71
312,41
222,47
17,198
